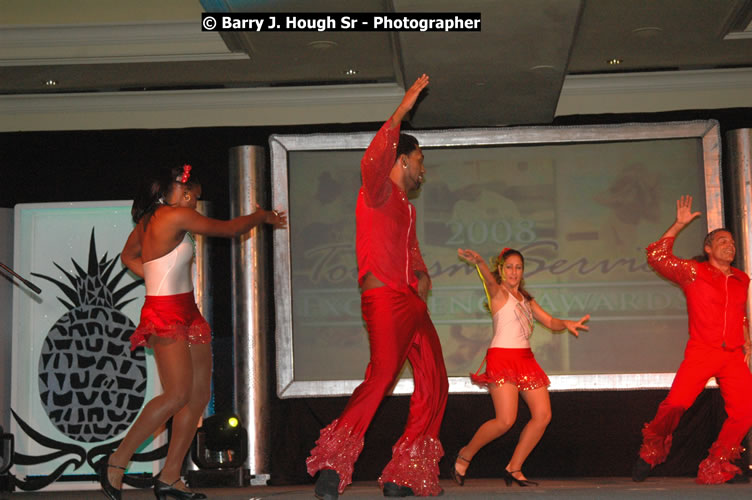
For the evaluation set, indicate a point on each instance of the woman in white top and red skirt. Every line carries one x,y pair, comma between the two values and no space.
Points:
160,249
511,369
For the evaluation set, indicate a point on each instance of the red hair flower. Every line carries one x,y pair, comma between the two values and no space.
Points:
186,174
503,251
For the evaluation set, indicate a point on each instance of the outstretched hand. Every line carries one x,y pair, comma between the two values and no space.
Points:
684,214
279,219
470,256
276,218
575,326
408,101
411,95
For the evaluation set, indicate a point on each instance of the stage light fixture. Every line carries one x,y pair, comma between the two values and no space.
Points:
220,450
221,443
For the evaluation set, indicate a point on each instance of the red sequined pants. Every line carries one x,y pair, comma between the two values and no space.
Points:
399,329
735,382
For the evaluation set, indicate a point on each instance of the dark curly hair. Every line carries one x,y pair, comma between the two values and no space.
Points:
406,145
155,190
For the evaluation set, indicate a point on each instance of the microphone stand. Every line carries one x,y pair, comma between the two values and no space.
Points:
28,283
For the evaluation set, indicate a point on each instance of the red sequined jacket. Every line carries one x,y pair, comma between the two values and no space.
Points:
716,303
385,241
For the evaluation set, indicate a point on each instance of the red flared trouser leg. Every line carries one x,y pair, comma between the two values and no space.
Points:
416,454
394,320
735,382
690,380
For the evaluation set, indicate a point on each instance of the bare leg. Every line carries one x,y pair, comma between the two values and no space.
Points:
173,360
540,409
184,423
505,401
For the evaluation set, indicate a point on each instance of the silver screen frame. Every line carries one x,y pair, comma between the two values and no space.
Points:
708,131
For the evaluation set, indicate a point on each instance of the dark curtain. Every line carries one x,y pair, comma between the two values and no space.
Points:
591,434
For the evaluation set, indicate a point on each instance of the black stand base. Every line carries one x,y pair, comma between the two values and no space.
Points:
7,485
213,478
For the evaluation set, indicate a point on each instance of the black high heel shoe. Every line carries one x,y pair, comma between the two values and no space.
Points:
107,488
163,490
459,478
509,479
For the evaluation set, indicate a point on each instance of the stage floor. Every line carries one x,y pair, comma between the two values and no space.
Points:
611,488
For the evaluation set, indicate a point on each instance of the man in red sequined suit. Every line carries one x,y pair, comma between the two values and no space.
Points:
718,346
395,283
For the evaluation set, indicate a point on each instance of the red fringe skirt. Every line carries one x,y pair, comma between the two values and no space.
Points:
511,366
171,316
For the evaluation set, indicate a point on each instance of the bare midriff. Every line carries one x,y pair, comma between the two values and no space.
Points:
370,281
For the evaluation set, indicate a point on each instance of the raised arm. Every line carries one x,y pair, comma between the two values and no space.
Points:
411,96
380,156
660,254
556,324
188,219
472,257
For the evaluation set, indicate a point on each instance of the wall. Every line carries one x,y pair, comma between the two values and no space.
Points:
587,94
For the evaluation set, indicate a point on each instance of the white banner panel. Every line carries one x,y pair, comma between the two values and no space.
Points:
6,287
76,385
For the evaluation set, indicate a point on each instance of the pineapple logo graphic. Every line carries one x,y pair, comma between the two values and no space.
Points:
91,384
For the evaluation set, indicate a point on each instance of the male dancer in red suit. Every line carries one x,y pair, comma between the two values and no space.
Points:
718,346
395,283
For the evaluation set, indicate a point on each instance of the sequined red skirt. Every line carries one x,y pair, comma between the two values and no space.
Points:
511,366
171,316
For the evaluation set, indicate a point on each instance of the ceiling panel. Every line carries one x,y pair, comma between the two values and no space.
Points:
313,57
652,35
509,73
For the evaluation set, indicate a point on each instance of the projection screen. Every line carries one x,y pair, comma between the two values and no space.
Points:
581,203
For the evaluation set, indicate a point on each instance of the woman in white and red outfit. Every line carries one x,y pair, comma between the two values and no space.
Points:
511,369
160,250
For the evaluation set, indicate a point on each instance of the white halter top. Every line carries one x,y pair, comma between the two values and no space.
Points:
513,325
171,274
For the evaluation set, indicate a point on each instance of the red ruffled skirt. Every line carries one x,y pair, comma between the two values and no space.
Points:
511,366
171,316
